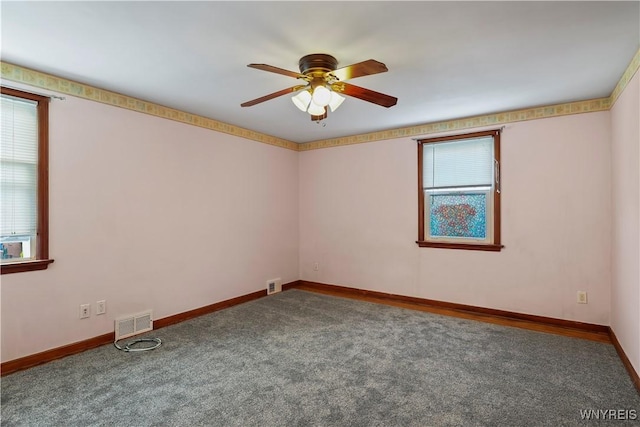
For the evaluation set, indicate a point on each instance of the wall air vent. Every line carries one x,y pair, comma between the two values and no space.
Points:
274,286
135,324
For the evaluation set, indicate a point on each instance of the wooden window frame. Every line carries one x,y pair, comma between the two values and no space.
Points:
42,260
496,245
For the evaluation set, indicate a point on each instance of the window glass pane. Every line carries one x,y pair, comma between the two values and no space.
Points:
467,162
18,178
19,130
17,247
18,205
458,215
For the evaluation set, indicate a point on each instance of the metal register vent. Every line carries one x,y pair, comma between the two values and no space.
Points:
135,324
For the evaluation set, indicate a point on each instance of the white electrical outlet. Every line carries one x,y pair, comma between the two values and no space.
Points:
316,266
101,307
85,311
582,297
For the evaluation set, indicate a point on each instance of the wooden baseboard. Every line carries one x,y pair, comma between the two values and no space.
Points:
291,285
507,318
540,323
57,353
22,363
181,317
625,360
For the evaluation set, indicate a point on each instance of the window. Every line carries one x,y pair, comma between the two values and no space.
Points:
459,194
24,182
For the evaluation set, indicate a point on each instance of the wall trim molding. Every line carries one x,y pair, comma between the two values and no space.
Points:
635,378
453,307
19,74
46,81
32,360
46,356
525,114
191,314
501,118
547,324
628,74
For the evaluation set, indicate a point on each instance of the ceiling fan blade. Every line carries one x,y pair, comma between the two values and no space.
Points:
271,96
367,94
360,69
272,69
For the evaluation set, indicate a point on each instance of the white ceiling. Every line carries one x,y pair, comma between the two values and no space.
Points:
446,60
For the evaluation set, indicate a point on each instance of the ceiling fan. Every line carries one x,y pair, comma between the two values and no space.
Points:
324,83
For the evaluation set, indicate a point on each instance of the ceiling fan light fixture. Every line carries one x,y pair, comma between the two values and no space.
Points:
315,109
324,84
317,119
335,101
302,100
321,96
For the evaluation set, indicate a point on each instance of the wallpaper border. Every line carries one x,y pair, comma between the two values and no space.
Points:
589,106
41,80
578,107
626,77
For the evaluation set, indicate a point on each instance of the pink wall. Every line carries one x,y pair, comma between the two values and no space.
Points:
625,287
149,213
358,220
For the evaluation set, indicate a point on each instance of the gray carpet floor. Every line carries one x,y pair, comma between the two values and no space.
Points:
304,359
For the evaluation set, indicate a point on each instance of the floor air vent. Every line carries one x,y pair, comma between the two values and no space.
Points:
135,324
274,286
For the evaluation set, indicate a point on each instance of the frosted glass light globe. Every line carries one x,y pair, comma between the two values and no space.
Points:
321,96
335,101
302,100
315,110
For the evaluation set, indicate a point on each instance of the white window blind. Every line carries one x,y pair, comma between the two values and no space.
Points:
459,164
19,167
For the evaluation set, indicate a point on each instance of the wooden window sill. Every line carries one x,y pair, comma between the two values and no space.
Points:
467,246
22,266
